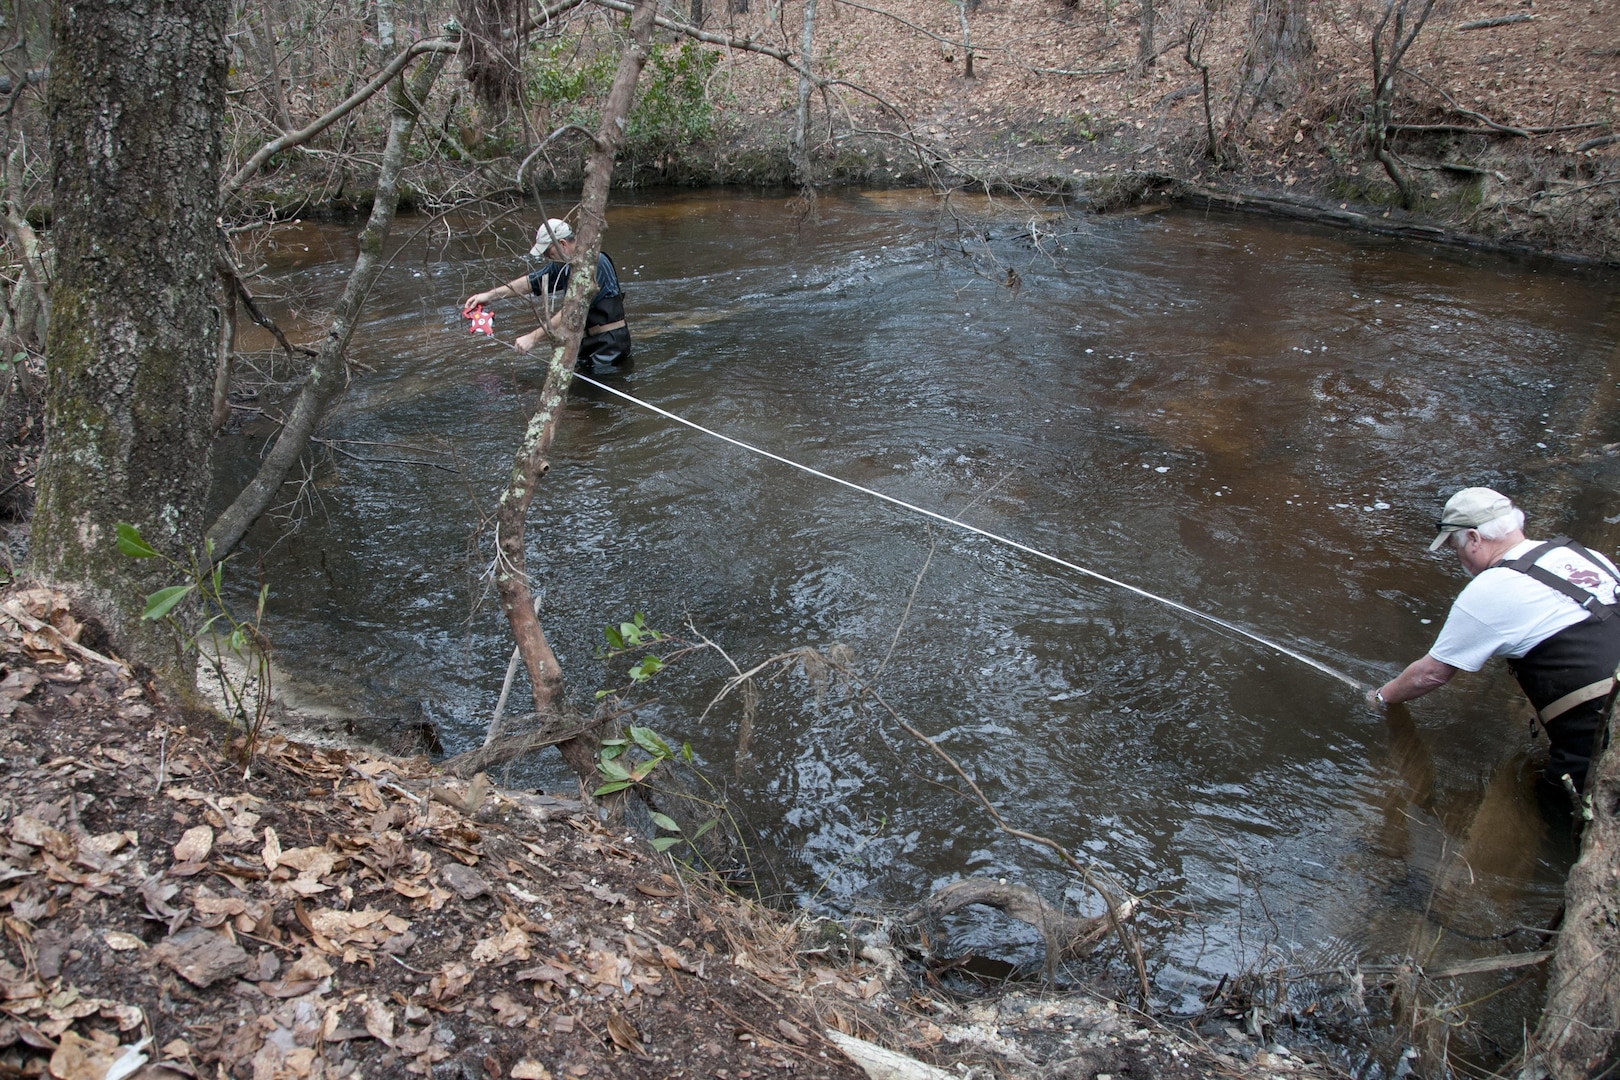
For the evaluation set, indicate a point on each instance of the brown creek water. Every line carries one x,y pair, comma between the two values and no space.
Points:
1254,419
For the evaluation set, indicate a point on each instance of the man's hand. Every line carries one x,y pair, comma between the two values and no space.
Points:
529,341
473,301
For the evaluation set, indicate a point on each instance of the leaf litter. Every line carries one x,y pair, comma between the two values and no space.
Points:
347,914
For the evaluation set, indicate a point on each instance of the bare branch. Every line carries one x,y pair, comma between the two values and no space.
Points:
743,44
354,101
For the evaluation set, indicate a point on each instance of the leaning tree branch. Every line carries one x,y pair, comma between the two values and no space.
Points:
1498,129
530,463
441,45
742,44
233,276
325,377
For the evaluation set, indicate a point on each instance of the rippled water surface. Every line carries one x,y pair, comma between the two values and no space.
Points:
1253,419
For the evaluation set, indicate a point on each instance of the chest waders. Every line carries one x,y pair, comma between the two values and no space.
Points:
1570,677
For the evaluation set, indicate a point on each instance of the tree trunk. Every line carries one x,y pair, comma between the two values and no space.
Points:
325,376
1579,1032
137,99
262,42
1387,54
1144,34
962,10
512,579
801,112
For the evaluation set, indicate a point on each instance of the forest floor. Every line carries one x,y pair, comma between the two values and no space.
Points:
338,912
343,912
1506,105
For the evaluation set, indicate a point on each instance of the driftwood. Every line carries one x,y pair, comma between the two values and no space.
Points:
1067,936
555,730
1500,20
1305,208
883,1064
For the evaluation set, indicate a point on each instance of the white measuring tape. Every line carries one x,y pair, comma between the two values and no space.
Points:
1301,657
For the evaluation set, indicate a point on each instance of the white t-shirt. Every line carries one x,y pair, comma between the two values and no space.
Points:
1504,612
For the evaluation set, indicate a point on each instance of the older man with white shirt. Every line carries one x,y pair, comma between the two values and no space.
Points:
1551,609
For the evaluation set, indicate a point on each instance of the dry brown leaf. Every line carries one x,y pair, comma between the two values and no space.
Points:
36,833
530,1069
272,849
509,1012
673,960
502,948
78,1058
477,792
194,845
654,890
449,982
624,1033
119,941
201,957
311,965
380,1021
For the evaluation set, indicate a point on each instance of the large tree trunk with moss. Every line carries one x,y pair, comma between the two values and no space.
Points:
137,97
1579,1032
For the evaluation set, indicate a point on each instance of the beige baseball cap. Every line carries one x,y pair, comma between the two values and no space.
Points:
553,231
1469,509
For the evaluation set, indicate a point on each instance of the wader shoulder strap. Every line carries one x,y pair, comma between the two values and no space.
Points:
1526,564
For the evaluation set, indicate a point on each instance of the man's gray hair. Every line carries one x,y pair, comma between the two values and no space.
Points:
1508,523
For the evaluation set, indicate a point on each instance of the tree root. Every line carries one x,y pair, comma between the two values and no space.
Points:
1067,936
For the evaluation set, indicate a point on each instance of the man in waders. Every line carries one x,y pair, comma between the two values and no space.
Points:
1551,609
606,343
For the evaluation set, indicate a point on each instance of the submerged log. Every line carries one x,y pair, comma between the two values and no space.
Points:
1067,936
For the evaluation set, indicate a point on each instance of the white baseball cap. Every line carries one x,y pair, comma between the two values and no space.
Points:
1469,509
553,231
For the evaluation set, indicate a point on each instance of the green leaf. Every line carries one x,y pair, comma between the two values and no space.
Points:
686,753
131,544
646,669
614,638
664,843
648,740
612,770
264,594
610,788
665,822
705,827
219,577
238,640
163,601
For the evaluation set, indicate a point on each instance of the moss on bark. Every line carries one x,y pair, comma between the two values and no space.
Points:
137,97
